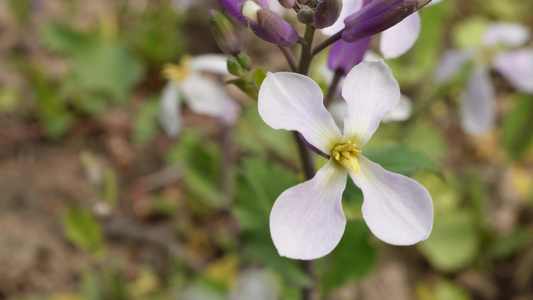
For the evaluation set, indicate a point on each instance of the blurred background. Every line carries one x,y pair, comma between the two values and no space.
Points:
97,202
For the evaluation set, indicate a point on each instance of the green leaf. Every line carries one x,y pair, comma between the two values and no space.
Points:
244,86
200,159
517,133
442,290
352,259
110,187
508,245
145,126
401,159
258,76
82,229
453,243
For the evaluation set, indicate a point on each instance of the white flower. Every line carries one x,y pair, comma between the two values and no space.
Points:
307,220
203,94
478,104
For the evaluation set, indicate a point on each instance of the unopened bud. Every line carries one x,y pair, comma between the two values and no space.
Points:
287,3
326,13
267,25
234,67
224,33
305,15
244,60
378,16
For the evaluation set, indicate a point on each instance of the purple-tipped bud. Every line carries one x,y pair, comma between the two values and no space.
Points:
287,3
344,56
326,13
305,15
234,7
267,25
378,16
225,33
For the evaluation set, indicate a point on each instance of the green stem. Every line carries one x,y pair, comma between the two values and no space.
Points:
333,87
305,155
306,57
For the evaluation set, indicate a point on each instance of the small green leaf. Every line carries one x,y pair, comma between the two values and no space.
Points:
258,76
453,243
469,33
145,126
517,133
401,159
82,229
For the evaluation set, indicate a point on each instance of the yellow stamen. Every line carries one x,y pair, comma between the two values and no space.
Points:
177,73
346,155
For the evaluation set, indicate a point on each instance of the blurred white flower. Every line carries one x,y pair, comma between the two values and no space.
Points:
202,93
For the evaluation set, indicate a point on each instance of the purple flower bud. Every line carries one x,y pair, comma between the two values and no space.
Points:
287,3
225,33
267,25
234,7
344,56
326,13
378,16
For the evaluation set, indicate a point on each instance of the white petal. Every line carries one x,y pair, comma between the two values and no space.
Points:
401,112
216,63
257,285
397,209
292,101
170,110
276,7
510,34
517,67
307,220
451,63
204,95
371,91
477,110
348,7
398,39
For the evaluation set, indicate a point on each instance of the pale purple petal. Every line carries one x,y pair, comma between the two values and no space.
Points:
517,67
451,63
477,109
397,209
401,112
216,63
371,91
398,39
292,101
510,34
170,109
204,95
307,220
348,7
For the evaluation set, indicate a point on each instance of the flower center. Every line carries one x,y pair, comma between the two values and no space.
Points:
178,73
346,155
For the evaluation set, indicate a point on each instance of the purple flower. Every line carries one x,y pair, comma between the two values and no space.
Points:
477,110
395,40
307,220
263,21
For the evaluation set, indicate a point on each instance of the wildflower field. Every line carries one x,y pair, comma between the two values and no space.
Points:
266,150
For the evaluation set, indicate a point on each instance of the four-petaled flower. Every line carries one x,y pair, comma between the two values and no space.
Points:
307,220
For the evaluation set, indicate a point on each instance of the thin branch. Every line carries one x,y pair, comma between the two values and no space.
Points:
333,87
329,41
293,63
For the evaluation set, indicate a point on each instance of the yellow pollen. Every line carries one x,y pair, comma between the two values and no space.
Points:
177,73
346,155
